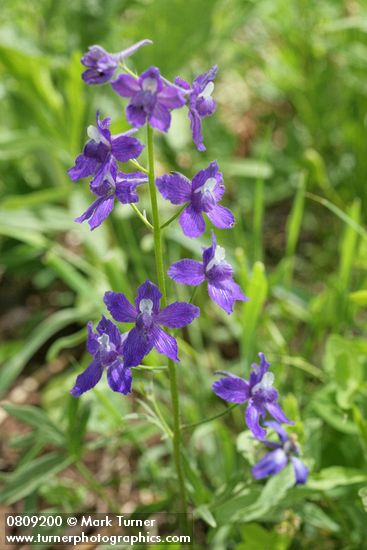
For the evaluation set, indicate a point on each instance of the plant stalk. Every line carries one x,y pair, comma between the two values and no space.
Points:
157,235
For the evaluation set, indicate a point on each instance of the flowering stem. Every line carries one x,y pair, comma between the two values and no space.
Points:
176,439
172,219
155,215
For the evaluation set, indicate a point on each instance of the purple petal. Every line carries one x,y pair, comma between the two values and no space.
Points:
300,471
283,436
92,341
119,307
125,148
105,326
102,211
160,118
165,343
137,345
136,115
174,187
221,217
83,168
192,222
171,97
196,129
178,315
119,378
150,75
205,106
87,379
125,85
88,213
187,272
132,49
225,294
203,79
272,463
276,412
182,83
232,388
253,421
149,291
211,171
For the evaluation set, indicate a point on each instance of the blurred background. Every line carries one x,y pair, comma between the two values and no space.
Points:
290,137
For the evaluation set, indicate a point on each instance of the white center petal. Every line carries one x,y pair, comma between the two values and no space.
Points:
218,258
207,187
146,306
265,383
104,342
208,90
150,85
94,134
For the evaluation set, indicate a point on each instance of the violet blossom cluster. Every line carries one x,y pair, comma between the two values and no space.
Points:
150,100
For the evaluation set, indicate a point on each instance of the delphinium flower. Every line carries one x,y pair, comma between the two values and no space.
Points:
101,65
152,99
101,149
201,195
106,346
259,393
117,185
215,270
201,104
282,452
147,316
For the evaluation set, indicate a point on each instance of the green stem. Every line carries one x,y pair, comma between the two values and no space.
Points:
172,219
228,410
176,440
137,165
141,216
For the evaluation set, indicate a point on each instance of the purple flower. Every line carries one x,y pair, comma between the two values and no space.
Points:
147,316
101,149
151,99
283,452
214,269
106,346
201,103
202,195
113,185
102,65
258,392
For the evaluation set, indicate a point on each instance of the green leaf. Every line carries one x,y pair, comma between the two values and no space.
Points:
38,419
205,514
32,475
252,310
336,476
315,516
11,369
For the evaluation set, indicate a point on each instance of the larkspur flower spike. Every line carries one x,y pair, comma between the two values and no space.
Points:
202,195
200,104
101,65
258,392
147,316
101,150
151,99
106,347
283,452
216,271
